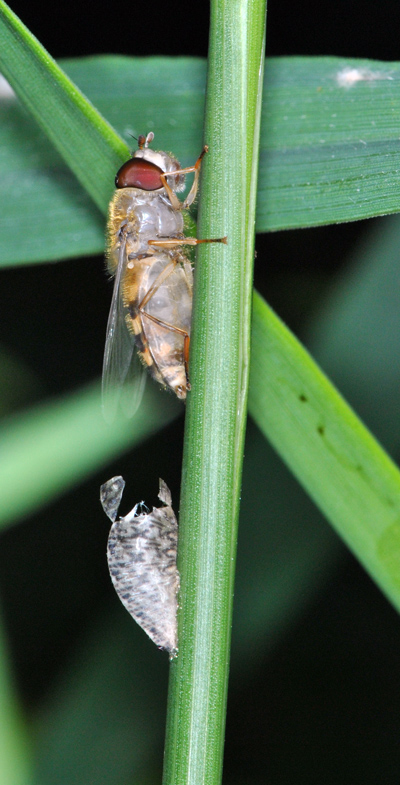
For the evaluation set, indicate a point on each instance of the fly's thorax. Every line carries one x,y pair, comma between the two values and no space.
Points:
156,217
143,216
159,158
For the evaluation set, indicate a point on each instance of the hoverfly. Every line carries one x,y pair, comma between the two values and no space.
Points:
151,305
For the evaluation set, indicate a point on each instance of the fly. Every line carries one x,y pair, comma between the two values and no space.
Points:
151,306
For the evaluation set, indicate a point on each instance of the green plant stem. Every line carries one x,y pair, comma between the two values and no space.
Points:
216,411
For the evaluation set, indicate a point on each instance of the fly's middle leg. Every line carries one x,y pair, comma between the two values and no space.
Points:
171,242
168,269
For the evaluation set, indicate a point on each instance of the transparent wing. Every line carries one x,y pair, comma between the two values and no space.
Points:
124,376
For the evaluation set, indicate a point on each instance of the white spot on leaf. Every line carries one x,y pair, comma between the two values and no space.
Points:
347,77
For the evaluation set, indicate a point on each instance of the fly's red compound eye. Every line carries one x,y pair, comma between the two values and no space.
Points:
139,173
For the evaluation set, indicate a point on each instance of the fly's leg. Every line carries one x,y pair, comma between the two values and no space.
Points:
170,242
170,267
176,203
186,341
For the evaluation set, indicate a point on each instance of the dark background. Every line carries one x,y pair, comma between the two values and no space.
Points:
329,691
343,28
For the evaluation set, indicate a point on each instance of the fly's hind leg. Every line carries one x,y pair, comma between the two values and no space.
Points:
186,341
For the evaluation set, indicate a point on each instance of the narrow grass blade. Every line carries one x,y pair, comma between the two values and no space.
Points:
88,144
336,459
216,410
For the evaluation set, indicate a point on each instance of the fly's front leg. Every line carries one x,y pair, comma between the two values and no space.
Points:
176,203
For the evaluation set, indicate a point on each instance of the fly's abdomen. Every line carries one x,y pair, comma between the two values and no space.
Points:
159,305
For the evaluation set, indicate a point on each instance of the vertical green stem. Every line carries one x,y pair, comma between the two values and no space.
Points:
216,409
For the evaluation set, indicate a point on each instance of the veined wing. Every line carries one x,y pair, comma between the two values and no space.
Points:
124,376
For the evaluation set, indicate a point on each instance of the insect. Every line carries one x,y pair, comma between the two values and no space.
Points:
141,555
151,305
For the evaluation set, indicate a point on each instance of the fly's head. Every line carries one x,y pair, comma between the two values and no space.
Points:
146,166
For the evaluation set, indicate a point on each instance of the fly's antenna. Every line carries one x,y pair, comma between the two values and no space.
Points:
141,140
144,141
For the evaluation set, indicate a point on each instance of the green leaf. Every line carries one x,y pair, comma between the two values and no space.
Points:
337,460
88,144
330,147
57,444
328,152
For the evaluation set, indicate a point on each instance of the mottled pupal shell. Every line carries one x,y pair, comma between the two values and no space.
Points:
142,562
